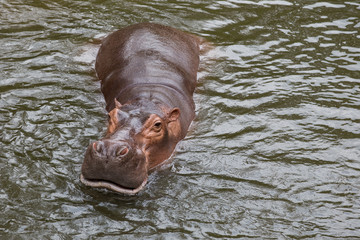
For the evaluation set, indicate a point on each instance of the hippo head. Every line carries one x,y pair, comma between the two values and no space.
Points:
140,135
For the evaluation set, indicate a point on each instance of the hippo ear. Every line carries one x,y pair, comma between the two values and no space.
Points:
113,120
117,103
174,114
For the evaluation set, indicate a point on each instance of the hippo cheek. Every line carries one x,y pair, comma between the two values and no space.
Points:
115,166
157,153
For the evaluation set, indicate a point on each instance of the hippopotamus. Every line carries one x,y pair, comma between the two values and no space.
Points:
148,74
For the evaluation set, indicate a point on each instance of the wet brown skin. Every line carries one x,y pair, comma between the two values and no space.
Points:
148,76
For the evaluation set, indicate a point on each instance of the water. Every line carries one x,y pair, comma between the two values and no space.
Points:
274,152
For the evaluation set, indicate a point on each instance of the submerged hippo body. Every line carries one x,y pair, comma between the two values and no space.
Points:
148,76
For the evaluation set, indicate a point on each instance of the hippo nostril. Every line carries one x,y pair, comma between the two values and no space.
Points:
98,146
122,151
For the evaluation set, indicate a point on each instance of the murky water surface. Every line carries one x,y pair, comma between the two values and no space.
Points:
274,152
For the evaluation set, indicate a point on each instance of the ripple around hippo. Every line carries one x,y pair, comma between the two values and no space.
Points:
273,152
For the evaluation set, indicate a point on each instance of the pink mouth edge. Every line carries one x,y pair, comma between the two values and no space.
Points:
112,186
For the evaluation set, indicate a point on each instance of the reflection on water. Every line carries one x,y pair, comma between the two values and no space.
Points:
273,152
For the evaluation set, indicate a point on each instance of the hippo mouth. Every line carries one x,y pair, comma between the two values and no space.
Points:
112,186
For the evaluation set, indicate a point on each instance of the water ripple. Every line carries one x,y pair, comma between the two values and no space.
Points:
273,151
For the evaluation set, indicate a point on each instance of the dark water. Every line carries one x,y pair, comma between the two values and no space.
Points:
274,152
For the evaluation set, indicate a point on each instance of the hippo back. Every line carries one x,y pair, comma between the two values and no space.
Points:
148,56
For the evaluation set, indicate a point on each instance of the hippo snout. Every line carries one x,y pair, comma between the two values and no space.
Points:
116,164
109,148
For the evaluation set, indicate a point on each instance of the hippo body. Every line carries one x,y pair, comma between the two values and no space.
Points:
148,76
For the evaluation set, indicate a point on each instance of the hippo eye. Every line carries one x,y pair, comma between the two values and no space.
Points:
157,126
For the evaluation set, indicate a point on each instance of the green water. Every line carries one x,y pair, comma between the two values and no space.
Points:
274,152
